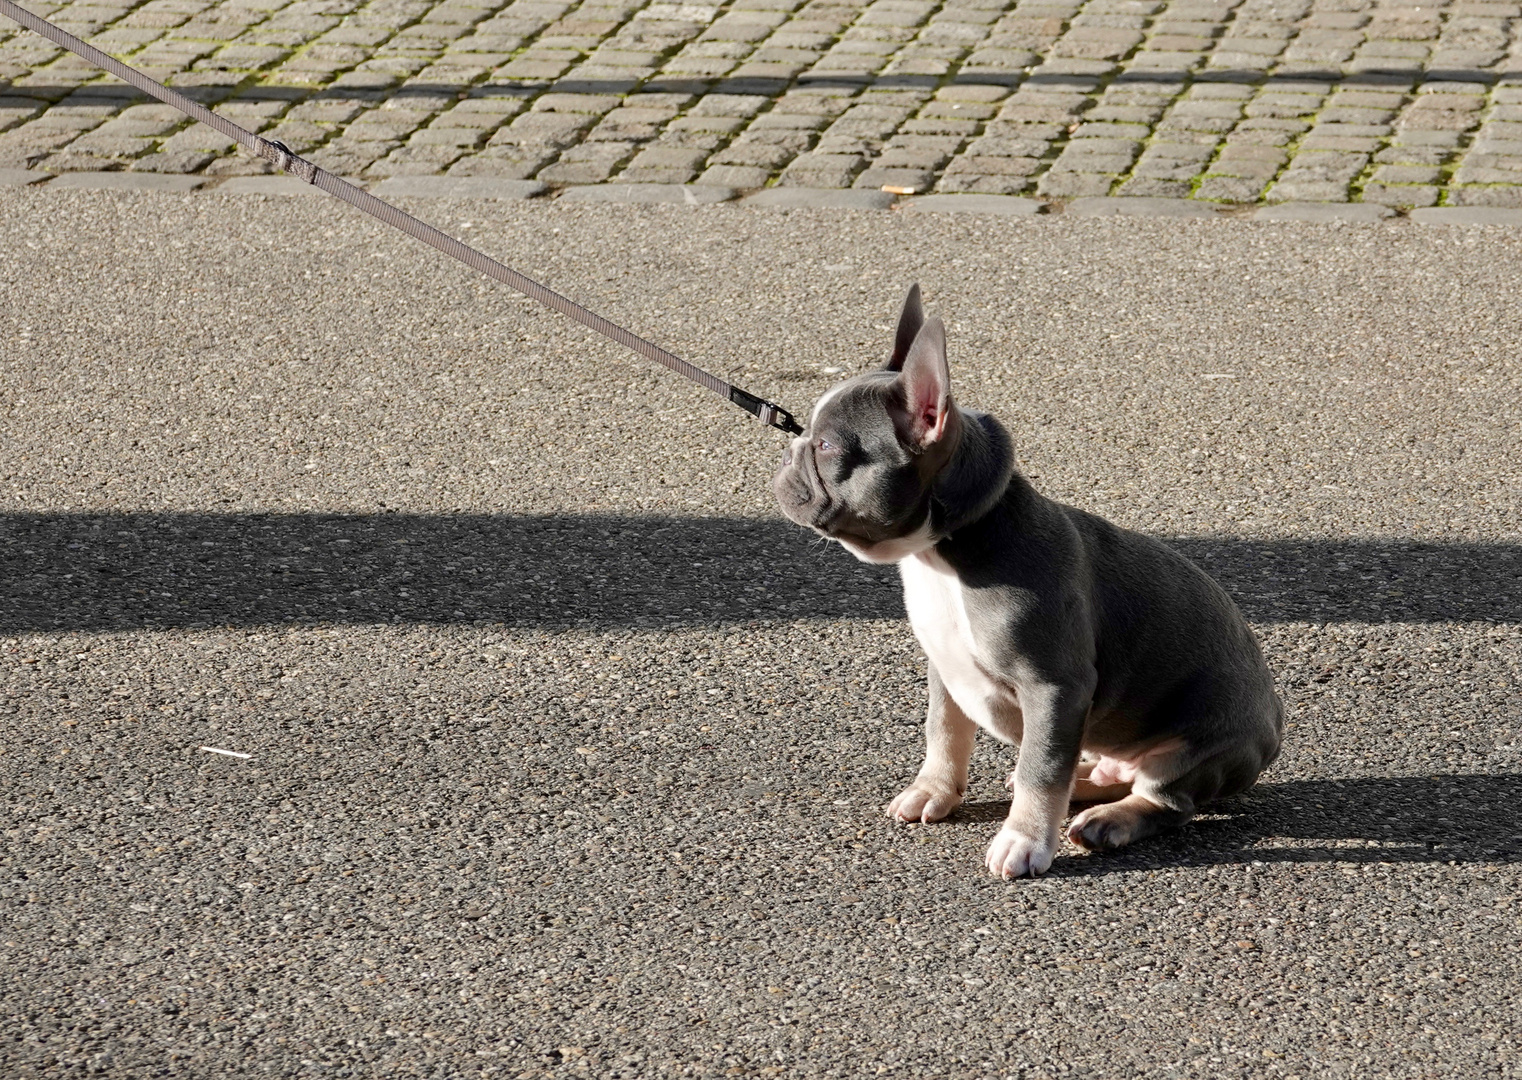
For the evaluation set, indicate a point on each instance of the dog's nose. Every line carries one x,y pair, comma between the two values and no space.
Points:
787,455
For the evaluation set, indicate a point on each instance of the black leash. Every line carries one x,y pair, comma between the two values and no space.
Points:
282,158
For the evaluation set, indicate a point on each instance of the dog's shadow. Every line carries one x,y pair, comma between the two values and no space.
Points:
1464,818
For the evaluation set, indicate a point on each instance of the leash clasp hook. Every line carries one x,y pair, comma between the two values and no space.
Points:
765,411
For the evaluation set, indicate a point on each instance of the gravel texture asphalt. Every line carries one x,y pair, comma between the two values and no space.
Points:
567,755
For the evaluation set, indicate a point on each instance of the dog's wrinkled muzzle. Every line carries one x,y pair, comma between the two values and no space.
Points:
799,494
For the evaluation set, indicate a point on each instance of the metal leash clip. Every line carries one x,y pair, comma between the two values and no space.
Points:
765,411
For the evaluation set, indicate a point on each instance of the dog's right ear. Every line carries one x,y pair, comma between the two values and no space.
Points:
909,322
924,414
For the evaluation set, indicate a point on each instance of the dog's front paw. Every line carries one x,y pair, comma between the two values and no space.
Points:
1013,854
923,802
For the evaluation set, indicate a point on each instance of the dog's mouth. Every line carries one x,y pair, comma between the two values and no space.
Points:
816,509
806,499
832,520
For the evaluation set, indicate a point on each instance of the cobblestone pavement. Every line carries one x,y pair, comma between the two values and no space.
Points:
1231,101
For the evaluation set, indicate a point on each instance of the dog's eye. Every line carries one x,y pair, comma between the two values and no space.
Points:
824,446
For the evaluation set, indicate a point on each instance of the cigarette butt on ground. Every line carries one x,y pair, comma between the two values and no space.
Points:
893,189
219,750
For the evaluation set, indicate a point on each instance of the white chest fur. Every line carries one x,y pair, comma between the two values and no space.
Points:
937,609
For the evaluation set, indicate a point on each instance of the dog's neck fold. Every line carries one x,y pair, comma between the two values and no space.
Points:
974,479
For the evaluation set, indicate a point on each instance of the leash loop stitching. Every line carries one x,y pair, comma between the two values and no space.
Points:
284,159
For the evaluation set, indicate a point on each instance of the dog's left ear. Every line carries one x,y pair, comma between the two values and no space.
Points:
909,322
925,414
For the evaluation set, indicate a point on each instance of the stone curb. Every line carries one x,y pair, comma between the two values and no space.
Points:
458,187
1006,205
127,181
269,185
792,198
1121,206
21,177
1466,215
484,187
672,194
1323,212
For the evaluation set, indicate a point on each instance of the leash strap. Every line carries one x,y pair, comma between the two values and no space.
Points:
282,158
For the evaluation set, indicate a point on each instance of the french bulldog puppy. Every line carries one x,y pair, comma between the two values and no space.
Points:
1127,677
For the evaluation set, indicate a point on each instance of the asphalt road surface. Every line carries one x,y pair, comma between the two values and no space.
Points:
567,755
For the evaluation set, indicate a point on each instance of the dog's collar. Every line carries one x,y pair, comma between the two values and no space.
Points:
942,524
989,477
939,517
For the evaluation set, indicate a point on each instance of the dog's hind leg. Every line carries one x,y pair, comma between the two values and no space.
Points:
1085,793
1168,786
1116,824
1085,790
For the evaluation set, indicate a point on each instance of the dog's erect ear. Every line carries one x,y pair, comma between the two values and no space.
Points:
909,322
924,416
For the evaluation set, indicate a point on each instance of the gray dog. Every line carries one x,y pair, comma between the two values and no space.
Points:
1126,675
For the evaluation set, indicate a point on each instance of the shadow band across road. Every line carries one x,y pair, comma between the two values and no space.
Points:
162,571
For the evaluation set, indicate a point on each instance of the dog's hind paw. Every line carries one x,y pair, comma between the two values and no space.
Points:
1113,825
922,803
